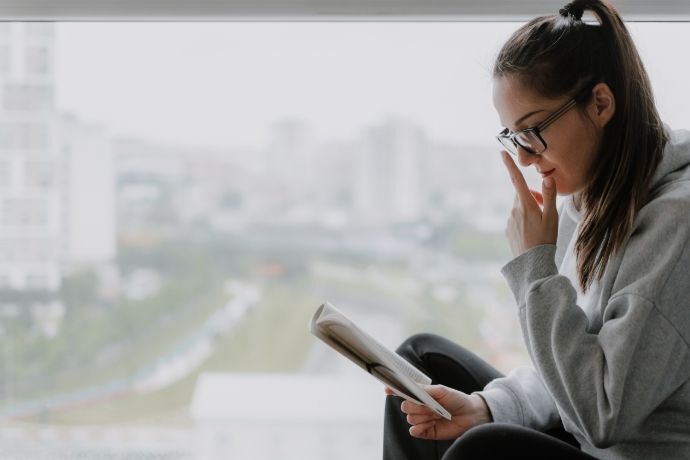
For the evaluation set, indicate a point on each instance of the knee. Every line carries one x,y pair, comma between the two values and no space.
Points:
486,432
413,347
481,441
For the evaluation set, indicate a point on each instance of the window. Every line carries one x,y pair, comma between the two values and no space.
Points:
39,174
19,135
37,61
40,29
4,175
235,176
5,30
4,59
27,97
24,212
26,251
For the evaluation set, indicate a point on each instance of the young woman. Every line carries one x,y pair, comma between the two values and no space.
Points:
602,285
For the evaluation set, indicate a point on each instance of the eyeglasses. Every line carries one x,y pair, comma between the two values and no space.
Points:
530,139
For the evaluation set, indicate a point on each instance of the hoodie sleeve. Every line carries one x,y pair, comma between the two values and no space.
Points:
521,398
606,384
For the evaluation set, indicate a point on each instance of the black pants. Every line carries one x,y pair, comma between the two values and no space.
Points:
450,364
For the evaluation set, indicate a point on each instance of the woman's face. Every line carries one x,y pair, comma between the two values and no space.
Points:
572,141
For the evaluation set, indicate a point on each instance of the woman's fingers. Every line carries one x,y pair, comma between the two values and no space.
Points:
534,217
424,430
550,213
417,419
415,409
538,196
519,182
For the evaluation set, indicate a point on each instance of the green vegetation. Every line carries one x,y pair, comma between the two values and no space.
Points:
465,242
456,320
481,246
274,337
271,338
108,341
101,340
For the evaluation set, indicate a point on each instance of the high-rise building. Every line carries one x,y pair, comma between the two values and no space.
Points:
30,180
289,150
56,174
88,191
390,169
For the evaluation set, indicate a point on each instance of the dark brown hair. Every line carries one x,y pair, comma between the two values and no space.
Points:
561,55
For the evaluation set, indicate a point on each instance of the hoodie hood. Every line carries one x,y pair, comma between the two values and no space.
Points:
675,159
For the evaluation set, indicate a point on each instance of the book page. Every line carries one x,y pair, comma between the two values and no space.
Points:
340,333
353,335
331,315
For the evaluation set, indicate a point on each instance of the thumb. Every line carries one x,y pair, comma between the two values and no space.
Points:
550,213
436,391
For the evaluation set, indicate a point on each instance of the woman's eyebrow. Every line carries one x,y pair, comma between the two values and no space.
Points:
524,117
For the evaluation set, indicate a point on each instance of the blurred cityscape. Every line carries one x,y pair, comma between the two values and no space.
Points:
152,295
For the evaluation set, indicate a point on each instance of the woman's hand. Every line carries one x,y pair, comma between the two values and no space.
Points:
466,410
529,225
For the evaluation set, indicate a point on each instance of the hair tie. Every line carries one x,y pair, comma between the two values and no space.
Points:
572,10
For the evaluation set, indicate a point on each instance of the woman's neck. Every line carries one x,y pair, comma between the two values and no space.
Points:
577,201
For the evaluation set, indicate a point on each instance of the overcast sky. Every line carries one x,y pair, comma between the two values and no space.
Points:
222,84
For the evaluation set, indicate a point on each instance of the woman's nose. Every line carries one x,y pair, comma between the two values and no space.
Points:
525,158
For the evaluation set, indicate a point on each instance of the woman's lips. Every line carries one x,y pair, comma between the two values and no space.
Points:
548,173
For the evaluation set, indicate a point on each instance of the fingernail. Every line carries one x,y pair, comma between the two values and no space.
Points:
548,182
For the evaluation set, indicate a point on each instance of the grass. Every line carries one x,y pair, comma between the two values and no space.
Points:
272,338
72,359
275,336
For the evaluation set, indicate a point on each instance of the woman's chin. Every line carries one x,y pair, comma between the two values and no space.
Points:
564,188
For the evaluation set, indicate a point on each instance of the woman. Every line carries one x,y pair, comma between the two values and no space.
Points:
602,284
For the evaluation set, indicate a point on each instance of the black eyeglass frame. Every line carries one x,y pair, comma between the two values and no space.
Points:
510,141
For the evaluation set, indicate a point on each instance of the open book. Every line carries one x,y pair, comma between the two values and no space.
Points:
331,326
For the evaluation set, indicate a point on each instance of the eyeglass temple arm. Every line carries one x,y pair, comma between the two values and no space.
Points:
556,114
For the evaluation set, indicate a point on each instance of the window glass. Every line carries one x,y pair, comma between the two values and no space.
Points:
4,174
27,97
40,174
177,199
21,135
4,57
37,60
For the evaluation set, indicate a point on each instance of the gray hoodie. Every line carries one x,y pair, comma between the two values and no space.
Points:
615,372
